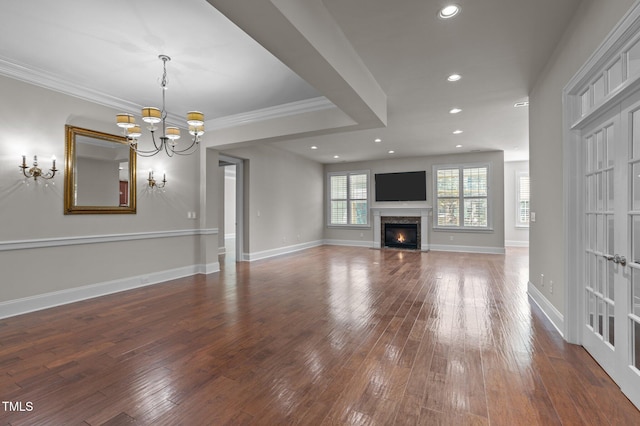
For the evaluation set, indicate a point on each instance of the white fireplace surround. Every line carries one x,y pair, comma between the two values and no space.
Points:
422,212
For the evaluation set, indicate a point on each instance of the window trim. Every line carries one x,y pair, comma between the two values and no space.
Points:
490,197
518,222
328,199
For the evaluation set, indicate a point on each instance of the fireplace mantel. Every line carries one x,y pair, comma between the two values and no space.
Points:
422,212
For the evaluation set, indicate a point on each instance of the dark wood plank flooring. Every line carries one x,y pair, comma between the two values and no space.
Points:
331,335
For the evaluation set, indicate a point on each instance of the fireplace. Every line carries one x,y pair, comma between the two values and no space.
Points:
401,235
400,232
403,216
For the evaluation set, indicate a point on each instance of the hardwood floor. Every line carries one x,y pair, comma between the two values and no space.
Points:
331,335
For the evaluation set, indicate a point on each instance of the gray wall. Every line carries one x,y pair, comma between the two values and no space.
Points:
454,240
593,21
283,200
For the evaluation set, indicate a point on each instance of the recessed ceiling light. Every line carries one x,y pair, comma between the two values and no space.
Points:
314,147
336,156
378,140
458,146
455,110
449,11
457,132
454,77
392,152
521,104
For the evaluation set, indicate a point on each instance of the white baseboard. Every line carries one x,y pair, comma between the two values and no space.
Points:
467,249
63,297
513,243
550,311
265,254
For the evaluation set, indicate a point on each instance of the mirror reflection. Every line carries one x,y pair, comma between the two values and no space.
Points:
100,173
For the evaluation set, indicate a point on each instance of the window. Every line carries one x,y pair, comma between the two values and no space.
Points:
349,198
462,197
523,204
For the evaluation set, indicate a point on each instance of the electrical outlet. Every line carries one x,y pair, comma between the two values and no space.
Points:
451,238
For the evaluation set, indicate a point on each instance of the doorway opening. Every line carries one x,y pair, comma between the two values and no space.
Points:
232,231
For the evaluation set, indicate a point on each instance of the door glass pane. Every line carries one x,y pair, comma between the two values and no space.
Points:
590,308
601,242
588,155
592,270
611,270
614,75
610,235
600,150
635,291
600,317
591,193
600,269
635,238
599,192
611,333
592,232
610,146
585,102
610,193
633,59
636,343
635,187
635,135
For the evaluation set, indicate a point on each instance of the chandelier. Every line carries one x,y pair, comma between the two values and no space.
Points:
169,140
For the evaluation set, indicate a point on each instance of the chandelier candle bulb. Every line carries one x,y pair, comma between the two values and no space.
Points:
196,130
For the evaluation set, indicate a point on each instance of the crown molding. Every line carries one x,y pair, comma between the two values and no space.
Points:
292,108
52,82
57,84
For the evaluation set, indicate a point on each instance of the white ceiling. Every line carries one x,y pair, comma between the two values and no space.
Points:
107,51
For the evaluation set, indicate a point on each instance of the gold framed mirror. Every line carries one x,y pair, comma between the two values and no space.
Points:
100,173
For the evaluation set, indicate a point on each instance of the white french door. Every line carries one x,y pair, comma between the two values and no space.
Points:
611,179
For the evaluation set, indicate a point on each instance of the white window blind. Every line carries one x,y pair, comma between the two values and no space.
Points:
523,203
349,198
462,197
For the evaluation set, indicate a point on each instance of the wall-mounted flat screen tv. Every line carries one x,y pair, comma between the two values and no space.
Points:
405,186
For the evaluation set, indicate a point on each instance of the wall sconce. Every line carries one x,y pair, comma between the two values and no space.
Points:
153,183
35,172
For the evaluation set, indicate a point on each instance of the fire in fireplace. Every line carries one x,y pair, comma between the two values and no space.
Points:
401,235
